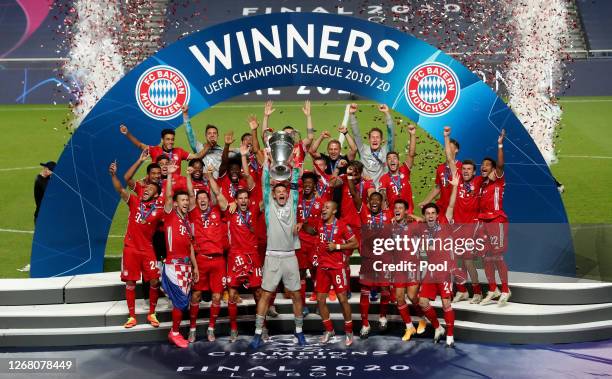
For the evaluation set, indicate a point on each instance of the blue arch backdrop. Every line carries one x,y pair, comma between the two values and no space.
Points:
375,61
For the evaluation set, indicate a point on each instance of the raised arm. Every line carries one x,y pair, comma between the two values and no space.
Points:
309,127
124,130
295,191
450,157
112,170
129,174
317,142
268,110
254,126
352,153
499,169
435,191
355,126
228,139
246,172
265,185
190,191
357,200
193,142
412,147
214,187
451,203
168,203
390,127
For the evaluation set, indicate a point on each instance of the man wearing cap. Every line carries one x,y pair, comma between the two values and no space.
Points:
41,184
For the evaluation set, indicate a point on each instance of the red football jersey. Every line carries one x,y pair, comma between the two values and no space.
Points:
347,209
229,189
435,241
380,219
398,187
142,223
178,235
242,229
179,183
200,185
338,233
491,202
210,231
443,178
466,205
139,188
309,212
176,155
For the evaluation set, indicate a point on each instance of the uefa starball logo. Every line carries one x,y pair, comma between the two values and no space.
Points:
432,89
161,92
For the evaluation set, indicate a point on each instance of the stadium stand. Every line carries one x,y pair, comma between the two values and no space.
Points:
595,16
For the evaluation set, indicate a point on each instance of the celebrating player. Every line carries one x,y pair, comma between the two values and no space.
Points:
372,155
244,267
395,184
212,150
138,255
465,217
176,155
435,233
372,217
281,262
494,223
336,242
309,216
210,232
180,267
407,283
442,184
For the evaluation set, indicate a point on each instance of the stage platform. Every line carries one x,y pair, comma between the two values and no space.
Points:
90,310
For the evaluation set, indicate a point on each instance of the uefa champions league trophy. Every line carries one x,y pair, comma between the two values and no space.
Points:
280,145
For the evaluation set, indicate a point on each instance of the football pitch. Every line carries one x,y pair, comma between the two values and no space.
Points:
38,133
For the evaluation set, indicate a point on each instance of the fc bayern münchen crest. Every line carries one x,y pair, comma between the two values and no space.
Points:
432,89
161,91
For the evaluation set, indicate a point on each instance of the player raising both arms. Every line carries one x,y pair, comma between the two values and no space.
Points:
435,232
395,184
373,154
138,255
176,155
442,186
494,223
180,267
334,247
210,232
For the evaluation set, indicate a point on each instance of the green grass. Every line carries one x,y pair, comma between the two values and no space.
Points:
36,133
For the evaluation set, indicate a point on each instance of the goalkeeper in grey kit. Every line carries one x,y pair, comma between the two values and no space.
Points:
280,204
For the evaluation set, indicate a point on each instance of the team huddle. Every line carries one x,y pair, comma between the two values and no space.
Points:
228,224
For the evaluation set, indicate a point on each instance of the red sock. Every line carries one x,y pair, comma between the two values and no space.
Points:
416,310
327,324
177,317
393,294
502,268
215,308
153,296
232,310
130,297
348,327
461,288
303,291
405,313
364,305
385,297
477,288
194,308
430,313
489,268
449,319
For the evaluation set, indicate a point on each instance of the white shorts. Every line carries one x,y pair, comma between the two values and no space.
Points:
277,268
